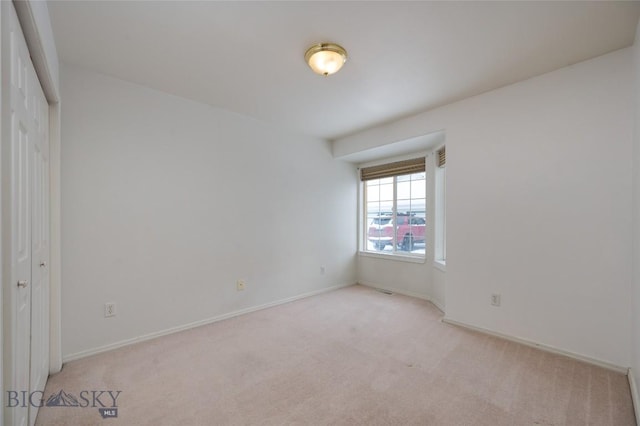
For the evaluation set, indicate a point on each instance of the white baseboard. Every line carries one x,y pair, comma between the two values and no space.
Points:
127,342
437,305
404,293
635,399
547,348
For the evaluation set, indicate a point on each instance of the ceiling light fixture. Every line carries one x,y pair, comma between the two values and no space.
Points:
325,58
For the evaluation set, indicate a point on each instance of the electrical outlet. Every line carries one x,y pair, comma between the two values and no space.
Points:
240,285
495,299
109,310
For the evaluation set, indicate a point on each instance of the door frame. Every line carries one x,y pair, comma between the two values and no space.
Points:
36,26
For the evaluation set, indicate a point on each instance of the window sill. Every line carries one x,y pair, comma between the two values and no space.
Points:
396,257
440,265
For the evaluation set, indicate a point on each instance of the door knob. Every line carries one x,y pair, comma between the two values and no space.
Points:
22,283
43,264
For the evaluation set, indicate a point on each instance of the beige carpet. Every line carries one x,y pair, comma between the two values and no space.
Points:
350,357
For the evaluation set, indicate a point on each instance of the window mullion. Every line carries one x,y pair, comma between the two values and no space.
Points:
395,214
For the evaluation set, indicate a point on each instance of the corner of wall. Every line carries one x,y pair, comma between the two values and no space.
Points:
634,372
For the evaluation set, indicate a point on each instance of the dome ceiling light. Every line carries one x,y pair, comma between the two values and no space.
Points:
325,58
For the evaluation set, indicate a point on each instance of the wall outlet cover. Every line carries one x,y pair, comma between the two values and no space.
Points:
495,299
109,310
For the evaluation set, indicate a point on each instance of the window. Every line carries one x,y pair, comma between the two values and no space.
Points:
395,208
441,207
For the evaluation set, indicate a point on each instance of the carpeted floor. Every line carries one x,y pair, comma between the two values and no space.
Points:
353,356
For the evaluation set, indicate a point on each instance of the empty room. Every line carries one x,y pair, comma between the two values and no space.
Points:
320,213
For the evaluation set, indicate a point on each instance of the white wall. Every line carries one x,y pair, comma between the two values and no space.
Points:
167,202
636,214
404,277
410,278
539,205
414,279
438,293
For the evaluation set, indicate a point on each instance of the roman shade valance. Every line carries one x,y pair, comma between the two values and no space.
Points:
442,157
415,165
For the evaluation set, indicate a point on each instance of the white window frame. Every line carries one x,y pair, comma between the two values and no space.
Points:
362,231
440,216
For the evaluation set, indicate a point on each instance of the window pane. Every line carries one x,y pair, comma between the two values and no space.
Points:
373,210
396,225
418,188
379,181
386,192
418,206
376,209
404,190
411,235
373,193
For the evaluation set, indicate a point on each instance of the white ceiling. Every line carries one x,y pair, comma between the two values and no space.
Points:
405,57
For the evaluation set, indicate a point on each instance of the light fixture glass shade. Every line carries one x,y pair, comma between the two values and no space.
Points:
326,58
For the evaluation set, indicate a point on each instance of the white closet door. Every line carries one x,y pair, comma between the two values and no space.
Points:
21,150
29,292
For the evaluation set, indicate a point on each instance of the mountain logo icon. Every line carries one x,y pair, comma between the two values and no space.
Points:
62,399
